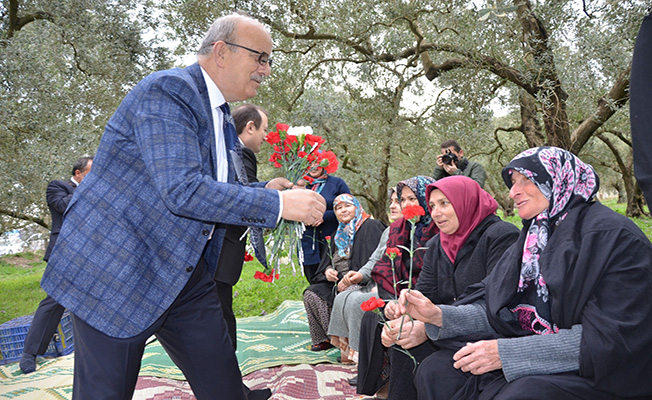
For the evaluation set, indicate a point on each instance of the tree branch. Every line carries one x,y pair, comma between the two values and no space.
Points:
24,217
607,106
16,23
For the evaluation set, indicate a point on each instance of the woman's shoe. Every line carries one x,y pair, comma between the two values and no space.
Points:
321,346
382,393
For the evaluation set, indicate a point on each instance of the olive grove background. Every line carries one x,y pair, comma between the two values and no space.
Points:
385,82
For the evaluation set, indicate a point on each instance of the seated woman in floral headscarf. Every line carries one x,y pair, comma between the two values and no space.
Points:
566,310
355,240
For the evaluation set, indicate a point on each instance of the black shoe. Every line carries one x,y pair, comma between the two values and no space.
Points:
321,346
27,363
354,381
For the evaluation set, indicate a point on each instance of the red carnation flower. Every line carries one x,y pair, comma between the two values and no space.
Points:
393,252
248,257
282,127
312,140
273,138
329,162
290,140
264,277
413,213
372,304
327,238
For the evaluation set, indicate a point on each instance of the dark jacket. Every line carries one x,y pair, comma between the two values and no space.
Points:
443,282
365,242
333,187
229,266
57,195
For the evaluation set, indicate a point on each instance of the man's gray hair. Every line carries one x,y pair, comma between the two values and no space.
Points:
222,29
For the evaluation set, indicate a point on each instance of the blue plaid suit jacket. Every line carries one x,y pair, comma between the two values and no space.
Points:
142,218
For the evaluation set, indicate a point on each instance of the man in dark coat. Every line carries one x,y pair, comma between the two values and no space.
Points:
251,126
49,312
451,162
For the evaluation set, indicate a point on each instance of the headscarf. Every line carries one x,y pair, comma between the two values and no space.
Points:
317,184
346,232
418,186
399,235
564,180
471,204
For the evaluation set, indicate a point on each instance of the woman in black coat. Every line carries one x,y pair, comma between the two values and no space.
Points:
471,241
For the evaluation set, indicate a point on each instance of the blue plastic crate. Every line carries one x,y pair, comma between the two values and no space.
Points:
13,333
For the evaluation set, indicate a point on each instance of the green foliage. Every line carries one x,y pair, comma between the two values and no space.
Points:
349,69
61,78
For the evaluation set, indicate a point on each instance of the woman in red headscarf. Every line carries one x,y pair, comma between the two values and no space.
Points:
471,239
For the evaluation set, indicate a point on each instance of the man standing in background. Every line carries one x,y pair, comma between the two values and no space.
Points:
251,126
49,312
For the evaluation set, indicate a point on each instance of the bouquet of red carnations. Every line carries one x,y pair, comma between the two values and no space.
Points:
296,152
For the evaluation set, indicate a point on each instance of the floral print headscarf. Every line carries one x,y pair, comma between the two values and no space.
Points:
564,180
418,185
346,232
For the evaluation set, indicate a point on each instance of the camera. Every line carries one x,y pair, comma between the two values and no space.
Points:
449,157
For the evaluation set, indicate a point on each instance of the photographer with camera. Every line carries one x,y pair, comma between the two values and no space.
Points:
451,161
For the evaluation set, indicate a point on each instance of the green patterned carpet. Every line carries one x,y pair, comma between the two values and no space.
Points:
280,338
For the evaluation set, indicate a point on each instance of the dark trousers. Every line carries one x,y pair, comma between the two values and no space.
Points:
402,368
44,325
225,294
437,379
372,355
192,331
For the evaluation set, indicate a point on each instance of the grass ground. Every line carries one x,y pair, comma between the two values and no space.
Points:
20,275
20,291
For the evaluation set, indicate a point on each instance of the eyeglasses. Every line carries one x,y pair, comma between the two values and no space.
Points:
263,58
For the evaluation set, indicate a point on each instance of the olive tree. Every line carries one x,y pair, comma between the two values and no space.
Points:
64,67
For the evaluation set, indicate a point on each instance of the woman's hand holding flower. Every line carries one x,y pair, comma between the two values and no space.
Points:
419,307
331,275
411,335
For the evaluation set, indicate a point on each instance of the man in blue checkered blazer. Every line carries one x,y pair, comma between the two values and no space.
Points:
141,237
